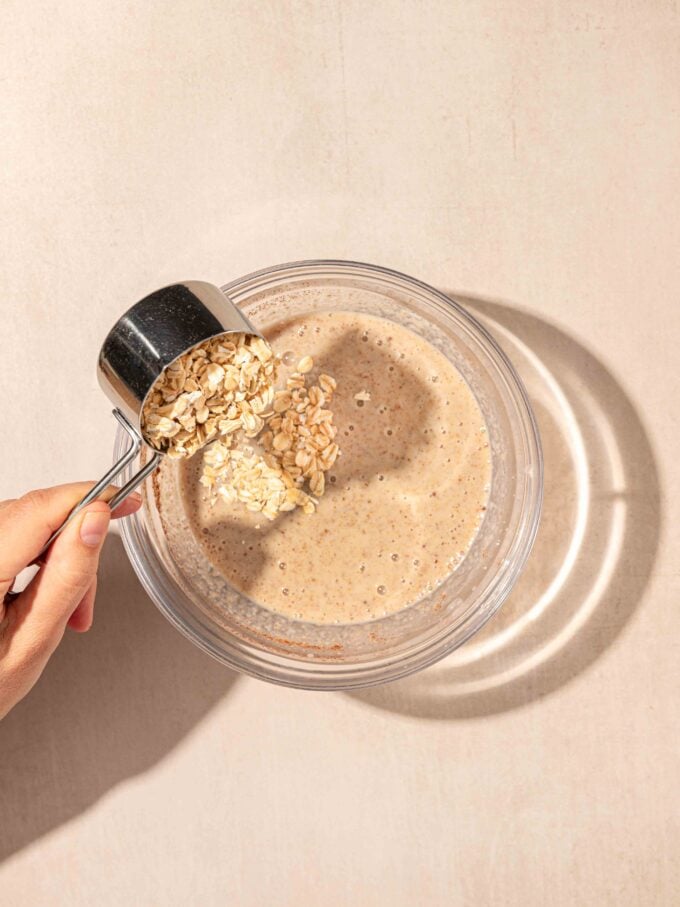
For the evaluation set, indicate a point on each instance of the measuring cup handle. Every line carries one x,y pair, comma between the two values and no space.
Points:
97,491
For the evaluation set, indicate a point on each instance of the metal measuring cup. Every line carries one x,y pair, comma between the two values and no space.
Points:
138,348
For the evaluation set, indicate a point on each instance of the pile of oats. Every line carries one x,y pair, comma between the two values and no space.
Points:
223,391
222,386
299,446
237,475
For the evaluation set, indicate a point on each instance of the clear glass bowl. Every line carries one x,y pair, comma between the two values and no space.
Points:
295,653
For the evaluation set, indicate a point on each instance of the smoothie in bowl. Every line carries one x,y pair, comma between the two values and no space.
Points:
411,445
402,501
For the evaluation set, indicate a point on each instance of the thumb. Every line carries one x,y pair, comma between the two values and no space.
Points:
44,607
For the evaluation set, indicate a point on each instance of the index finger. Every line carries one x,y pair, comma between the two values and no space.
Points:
28,522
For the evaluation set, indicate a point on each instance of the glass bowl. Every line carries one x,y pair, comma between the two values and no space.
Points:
296,653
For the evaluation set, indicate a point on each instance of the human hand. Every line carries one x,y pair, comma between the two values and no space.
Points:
62,593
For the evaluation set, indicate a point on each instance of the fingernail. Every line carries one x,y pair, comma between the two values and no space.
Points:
93,528
135,497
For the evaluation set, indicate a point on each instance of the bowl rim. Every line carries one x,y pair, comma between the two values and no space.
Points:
293,672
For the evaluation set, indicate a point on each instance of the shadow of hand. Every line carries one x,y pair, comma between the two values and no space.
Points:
108,706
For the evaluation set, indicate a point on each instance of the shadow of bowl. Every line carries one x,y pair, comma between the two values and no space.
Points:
595,548
109,706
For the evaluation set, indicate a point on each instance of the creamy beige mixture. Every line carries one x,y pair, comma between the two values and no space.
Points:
403,501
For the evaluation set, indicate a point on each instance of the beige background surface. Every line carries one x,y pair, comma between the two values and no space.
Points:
522,154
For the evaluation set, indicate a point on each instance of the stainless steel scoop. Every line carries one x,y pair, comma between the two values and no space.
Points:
149,337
